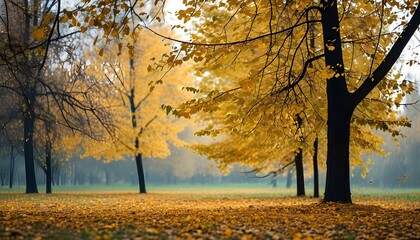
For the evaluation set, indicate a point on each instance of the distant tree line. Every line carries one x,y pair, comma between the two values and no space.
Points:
93,172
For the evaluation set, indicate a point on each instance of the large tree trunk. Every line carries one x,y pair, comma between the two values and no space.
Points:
315,166
48,171
28,108
300,179
140,172
337,186
340,109
28,127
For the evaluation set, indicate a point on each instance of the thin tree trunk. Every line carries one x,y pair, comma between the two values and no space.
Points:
315,157
300,179
57,177
289,178
107,177
140,172
48,171
12,167
315,166
75,173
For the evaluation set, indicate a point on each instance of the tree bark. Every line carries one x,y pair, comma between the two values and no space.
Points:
315,166
140,173
300,179
28,128
337,186
340,109
28,111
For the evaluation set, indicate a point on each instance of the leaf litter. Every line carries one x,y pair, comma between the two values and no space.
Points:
193,216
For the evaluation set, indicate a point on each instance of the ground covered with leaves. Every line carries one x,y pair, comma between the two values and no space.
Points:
173,215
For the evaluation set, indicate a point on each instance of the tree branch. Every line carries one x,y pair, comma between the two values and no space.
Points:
230,43
145,126
302,75
393,55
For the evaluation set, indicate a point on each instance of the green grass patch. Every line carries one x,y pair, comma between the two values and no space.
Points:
230,190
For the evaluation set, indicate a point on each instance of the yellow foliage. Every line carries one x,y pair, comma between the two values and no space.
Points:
136,92
41,32
250,91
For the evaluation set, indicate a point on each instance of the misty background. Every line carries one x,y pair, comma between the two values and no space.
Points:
400,168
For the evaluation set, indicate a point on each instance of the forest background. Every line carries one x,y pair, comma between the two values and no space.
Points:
181,166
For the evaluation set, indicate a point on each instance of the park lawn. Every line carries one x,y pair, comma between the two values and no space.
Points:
169,214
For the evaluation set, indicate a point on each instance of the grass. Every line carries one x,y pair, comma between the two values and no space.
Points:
229,190
404,194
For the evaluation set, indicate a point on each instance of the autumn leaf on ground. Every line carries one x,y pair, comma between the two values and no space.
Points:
191,216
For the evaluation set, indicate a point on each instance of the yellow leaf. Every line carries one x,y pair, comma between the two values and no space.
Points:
68,13
65,18
74,21
330,48
126,30
91,22
114,33
152,230
327,73
131,53
106,10
48,18
134,36
41,32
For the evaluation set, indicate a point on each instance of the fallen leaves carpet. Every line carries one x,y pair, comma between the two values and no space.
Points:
194,216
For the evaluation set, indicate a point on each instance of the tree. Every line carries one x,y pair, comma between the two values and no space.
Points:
16,29
136,93
350,78
29,30
315,167
342,103
54,145
9,132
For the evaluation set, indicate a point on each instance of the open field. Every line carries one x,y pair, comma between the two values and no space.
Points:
206,213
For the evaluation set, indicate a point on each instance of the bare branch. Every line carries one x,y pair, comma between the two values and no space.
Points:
302,75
